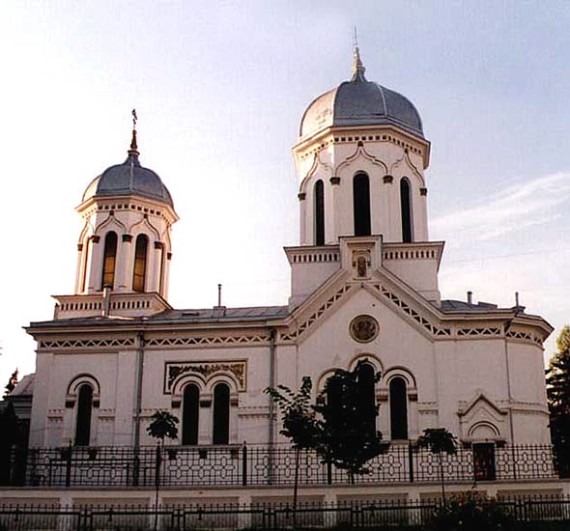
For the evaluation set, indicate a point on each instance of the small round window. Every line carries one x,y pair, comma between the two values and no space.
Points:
364,328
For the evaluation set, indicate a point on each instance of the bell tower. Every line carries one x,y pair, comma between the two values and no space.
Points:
124,248
361,157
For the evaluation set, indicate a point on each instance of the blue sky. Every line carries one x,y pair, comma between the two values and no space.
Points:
220,88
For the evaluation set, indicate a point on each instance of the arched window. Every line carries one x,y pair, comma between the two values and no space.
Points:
83,419
361,197
398,409
221,433
109,260
406,210
353,393
367,397
190,414
139,270
86,245
319,213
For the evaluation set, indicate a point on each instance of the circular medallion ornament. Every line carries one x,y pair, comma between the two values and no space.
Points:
364,328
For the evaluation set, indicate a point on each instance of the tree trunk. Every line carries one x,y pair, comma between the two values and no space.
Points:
296,486
440,459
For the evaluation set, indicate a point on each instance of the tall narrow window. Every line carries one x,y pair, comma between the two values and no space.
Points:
367,397
406,210
398,409
109,260
361,198
221,434
84,281
190,414
83,419
139,270
319,213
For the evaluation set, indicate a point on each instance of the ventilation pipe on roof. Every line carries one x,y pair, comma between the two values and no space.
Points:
470,297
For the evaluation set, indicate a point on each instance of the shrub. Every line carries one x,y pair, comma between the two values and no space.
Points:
471,512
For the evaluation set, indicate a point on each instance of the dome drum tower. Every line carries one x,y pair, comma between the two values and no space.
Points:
124,249
361,156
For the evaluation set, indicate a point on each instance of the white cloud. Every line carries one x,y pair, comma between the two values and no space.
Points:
519,206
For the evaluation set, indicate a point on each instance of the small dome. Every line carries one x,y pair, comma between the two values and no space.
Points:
129,178
360,102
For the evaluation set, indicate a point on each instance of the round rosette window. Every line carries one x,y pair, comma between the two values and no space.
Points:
364,328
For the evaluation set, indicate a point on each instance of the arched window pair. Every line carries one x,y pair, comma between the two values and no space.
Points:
361,206
191,414
110,261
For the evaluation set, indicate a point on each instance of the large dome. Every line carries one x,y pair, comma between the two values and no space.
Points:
360,102
129,178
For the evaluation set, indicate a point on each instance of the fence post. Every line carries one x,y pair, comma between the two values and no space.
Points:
244,464
411,462
514,456
68,465
136,467
329,473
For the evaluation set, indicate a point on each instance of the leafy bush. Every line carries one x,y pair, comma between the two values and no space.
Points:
471,512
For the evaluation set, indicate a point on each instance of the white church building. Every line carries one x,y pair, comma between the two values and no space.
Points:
364,286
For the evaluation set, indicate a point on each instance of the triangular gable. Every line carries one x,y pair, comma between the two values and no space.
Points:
383,285
479,400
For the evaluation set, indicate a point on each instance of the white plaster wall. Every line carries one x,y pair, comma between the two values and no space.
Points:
420,274
307,277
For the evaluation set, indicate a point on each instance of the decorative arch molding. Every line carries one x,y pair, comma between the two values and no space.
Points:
225,377
81,379
360,152
317,165
205,372
85,233
405,162
372,359
73,389
165,238
483,430
136,228
110,223
399,371
186,379
322,379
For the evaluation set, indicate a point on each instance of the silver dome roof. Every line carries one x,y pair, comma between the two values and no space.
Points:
129,178
360,102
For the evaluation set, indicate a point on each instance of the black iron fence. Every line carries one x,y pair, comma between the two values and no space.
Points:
527,513
243,465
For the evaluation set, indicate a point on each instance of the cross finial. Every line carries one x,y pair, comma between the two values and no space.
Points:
134,151
357,66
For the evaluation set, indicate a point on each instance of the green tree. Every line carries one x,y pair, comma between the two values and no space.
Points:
558,393
348,409
12,382
162,425
340,426
438,441
341,430
300,423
